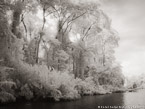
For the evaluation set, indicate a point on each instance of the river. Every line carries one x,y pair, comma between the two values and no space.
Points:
128,100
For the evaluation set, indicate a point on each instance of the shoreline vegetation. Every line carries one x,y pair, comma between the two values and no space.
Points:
37,82
51,99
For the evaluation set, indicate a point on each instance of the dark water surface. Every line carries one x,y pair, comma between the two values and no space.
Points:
132,100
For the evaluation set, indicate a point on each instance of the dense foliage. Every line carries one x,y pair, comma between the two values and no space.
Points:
60,49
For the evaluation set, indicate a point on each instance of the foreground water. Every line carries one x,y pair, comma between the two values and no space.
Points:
128,100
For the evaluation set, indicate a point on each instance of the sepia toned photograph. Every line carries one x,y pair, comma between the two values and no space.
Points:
72,54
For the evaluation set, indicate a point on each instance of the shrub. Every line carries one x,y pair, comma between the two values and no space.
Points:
6,86
86,87
64,83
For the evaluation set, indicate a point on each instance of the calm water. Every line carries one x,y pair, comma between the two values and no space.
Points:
134,100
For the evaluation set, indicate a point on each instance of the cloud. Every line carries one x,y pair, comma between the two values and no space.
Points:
128,18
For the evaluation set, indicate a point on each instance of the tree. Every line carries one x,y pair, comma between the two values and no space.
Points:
59,48
113,77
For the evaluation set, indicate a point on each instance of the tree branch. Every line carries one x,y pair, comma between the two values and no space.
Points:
44,19
87,31
25,27
71,21
64,22
77,17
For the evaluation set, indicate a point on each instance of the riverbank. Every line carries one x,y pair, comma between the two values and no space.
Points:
123,90
86,102
51,99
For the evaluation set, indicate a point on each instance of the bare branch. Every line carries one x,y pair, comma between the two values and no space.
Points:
44,19
25,27
65,21
56,11
71,21
68,24
87,31
77,17
51,13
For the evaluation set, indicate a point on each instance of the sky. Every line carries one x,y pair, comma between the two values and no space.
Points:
128,18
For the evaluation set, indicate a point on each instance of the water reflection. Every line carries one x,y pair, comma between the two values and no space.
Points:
89,102
135,99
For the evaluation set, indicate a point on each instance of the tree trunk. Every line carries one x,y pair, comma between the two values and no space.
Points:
81,65
16,18
37,48
78,65
7,38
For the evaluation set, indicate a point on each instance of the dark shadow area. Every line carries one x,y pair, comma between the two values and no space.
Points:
87,102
